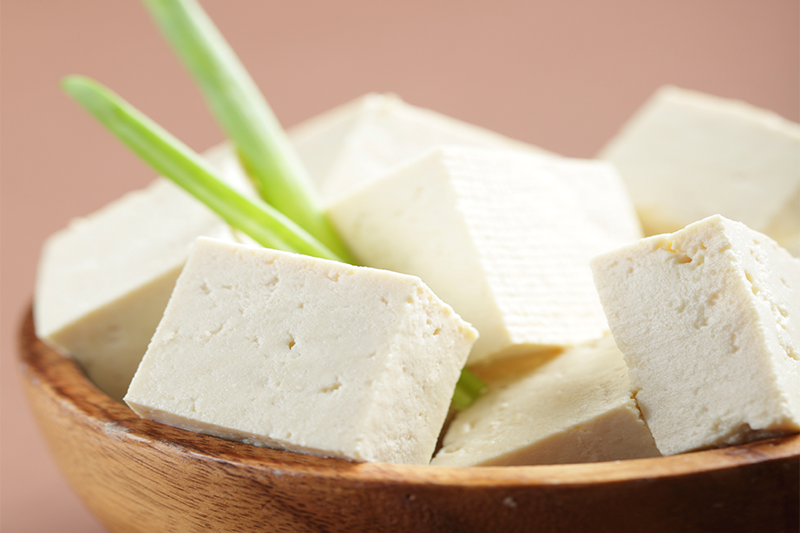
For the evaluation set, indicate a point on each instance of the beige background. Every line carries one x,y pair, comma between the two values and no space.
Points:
561,74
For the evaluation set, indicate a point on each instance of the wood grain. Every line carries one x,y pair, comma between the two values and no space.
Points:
141,476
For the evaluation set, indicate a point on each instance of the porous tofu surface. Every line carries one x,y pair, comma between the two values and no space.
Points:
576,407
709,321
686,155
503,236
309,355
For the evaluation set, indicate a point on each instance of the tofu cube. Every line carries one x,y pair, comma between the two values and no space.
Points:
353,145
104,281
575,408
709,321
686,155
304,354
503,236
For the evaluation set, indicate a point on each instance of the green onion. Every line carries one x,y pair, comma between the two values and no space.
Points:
247,119
468,389
176,161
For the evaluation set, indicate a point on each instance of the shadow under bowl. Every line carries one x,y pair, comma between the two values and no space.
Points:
136,475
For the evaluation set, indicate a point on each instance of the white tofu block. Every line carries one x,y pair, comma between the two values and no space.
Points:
686,155
104,281
575,408
503,236
355,144
305,354
709,321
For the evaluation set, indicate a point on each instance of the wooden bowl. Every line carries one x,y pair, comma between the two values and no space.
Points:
138,475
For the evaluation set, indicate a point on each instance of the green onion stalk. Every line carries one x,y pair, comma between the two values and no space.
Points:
241,110
288,217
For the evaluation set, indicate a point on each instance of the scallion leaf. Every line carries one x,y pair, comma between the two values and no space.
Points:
247,119
176,161
468,389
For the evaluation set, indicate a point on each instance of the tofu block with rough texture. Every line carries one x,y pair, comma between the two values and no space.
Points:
104,281
686,155
709,321
577,407
503,236
353,145
304,354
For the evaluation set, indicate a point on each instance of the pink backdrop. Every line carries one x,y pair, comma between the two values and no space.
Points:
560,74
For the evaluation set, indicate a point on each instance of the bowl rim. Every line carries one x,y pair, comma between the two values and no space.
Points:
60,378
